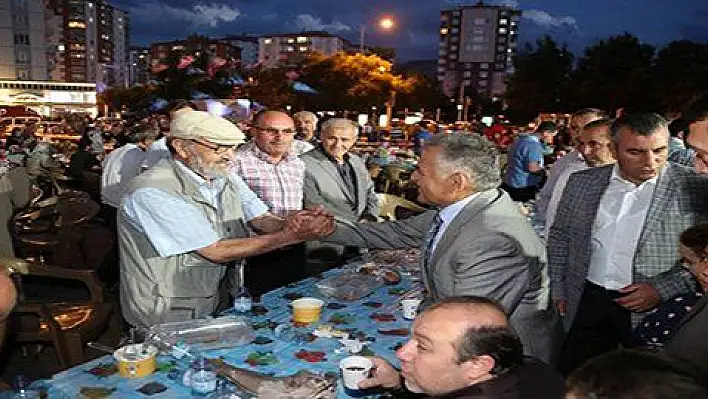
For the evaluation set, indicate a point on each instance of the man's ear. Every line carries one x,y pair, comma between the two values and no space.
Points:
478,367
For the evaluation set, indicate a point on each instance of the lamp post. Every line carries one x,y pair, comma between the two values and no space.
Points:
459,111
386,23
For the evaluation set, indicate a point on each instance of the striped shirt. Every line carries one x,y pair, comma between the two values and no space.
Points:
279,185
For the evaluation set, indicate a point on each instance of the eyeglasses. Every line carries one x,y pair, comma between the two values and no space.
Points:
218,149
274,131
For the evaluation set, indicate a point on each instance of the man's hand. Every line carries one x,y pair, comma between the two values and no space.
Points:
310,224
639,297
382,375
561,305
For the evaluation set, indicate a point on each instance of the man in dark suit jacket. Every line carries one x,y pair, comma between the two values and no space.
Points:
463,347
612,249
478,244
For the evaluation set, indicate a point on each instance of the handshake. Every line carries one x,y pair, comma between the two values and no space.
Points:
310,224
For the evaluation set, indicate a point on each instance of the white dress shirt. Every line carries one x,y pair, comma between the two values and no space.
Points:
557,195
448,214
618,225
120,166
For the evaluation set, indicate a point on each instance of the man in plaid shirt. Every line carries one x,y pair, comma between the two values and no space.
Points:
270,168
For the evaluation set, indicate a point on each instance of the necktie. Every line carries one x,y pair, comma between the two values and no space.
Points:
430,237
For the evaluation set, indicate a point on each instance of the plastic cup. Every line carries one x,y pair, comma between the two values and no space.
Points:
354,370
307,310
410,308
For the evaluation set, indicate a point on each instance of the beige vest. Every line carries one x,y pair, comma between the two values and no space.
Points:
154,289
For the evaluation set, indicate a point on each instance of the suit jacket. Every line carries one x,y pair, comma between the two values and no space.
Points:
679,200
688,342
323,185
488,250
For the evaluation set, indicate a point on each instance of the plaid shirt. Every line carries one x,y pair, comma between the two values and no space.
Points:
278,185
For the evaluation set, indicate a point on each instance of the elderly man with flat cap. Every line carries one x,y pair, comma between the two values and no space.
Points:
186,218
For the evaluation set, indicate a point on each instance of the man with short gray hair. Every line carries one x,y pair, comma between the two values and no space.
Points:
476,242
306,126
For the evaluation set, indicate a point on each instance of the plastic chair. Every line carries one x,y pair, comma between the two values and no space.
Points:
66,325
390,206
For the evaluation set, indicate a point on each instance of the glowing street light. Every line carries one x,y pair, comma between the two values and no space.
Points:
385,23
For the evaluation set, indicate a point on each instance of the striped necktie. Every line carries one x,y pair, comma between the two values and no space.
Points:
430,237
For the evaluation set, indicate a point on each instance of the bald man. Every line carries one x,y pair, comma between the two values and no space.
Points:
463,347
276,174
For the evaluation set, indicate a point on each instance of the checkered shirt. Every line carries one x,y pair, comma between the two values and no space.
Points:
279,185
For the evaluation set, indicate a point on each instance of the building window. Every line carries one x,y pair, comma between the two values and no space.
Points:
478,47
290,48
22,57
502,31
303,49
503,21
482,83
467,74
454,31
483,74
453,48
478,31
453,56
302,39
479,39
480,21
484,65
76,24
500,48
23,74
443,31
291,40
453,39
267,41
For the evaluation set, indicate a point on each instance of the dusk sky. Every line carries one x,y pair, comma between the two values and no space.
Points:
575,22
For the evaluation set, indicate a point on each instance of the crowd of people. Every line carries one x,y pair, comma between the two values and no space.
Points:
533,271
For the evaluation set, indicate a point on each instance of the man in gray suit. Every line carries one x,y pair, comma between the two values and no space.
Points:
478,243
337,180
612,249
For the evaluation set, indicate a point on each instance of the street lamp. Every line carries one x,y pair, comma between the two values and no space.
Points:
386,23
459,111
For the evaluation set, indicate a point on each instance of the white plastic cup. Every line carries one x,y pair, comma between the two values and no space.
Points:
354,370
410,308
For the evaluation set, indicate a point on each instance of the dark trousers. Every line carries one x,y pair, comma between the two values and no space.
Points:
521,194
600,326
274,269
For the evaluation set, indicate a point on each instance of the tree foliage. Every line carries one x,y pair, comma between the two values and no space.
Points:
541,79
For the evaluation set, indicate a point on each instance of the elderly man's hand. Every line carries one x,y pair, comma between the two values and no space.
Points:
310,224
382,375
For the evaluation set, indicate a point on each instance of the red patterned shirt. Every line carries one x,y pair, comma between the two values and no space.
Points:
279,185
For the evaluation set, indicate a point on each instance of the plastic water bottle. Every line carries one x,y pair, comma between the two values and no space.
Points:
203,379
22,389
243,302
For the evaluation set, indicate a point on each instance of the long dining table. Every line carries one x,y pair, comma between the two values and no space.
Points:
375,320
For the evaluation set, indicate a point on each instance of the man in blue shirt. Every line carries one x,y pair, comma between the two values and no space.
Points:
524,171
421,136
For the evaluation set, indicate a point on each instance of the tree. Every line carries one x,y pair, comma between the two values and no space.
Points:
540,80
680,73
615,74
350,82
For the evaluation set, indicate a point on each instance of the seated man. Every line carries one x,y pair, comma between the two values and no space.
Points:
463,347
184,220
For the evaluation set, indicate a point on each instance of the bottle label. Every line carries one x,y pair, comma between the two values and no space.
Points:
243,305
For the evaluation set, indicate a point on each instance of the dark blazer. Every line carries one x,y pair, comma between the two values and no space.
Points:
488,250
680,200
688,342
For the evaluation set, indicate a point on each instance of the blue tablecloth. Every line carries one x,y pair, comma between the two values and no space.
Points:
67,384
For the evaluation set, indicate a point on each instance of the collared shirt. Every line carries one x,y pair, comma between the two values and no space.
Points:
120,165
279,185
526,149
174,226
562,180
158,150
573,161
301,146
448,214
618,225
